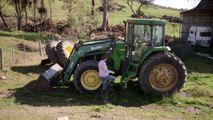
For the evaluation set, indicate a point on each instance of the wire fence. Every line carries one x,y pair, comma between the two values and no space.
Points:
21,53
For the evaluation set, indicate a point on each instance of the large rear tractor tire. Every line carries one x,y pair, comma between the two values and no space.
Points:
63,49
86,78
162,74
50,50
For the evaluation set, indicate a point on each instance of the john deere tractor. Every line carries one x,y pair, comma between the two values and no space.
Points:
142,54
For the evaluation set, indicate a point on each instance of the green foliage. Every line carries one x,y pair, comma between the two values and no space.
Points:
93,21
173,29
112,4
72,20
138,12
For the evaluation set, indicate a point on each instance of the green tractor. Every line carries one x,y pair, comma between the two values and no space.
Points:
142,54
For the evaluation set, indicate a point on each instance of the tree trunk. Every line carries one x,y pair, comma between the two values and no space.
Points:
19,22
34,8
42,3
50,5
2,17
2,5
26,16
105,24
93,7
35,3
19,15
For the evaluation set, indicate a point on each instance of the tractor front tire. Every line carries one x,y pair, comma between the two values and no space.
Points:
50,50
162,74
86,78
63,49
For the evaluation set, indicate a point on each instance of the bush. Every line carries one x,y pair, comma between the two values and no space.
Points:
61,25
72,20
94,21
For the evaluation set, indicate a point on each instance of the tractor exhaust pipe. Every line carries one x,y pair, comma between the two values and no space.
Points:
43,82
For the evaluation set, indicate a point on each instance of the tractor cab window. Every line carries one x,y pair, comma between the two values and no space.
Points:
142,37
141,40
157,32
142,34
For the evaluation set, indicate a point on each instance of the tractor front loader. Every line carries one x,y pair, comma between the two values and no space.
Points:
142,54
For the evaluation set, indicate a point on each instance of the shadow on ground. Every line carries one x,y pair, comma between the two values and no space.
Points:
37,69
199,64
68,96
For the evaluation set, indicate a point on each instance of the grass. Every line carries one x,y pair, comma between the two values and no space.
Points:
173,29
19,102
13,43
30,36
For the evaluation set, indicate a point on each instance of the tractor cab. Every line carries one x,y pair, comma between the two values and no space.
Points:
143,34
144,37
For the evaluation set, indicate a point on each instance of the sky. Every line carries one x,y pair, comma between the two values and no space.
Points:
186,4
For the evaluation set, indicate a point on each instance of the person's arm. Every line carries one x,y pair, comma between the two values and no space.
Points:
112,72
106,69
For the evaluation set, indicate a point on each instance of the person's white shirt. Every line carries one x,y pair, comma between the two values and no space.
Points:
103,70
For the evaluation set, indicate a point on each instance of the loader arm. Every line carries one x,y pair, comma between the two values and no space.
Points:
80,50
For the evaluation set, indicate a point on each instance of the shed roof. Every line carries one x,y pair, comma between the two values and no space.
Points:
205,3
205,6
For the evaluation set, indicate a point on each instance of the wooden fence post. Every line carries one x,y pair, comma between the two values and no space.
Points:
24,52
13,55
40,48
1,58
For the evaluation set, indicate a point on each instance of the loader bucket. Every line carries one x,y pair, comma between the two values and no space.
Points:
43,82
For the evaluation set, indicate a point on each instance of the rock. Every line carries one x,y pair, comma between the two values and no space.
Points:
2,78
193,110
63,118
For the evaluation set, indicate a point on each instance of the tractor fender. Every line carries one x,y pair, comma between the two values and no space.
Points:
153,50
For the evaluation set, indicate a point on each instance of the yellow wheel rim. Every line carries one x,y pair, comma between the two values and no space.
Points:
90,80
163,77
69,49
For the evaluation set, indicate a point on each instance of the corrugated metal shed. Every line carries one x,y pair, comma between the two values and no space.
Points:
201,15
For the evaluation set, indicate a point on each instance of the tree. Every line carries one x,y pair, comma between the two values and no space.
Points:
50,6
2,5
28,2
93,7
70,5
35,7
138,12
72,19
105,23
20,6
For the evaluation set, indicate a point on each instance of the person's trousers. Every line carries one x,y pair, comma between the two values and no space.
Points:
106,81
